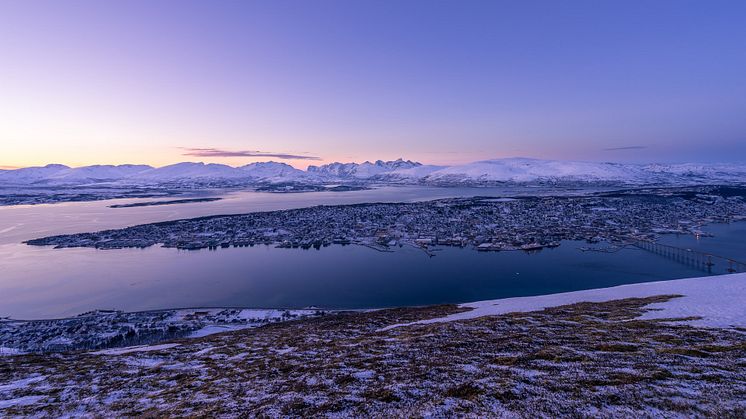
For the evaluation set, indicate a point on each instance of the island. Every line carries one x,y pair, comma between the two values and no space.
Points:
483,223
170,202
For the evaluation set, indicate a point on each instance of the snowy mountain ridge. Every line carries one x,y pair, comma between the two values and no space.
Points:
363,170
527,170
485,172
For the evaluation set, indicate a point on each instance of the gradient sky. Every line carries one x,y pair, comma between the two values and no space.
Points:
84,82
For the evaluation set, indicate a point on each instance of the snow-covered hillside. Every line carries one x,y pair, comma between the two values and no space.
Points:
188,170
530,170
411,173
711,301
128,174
97,173
513,170
275,172
700,172
525,170
28,175
612,356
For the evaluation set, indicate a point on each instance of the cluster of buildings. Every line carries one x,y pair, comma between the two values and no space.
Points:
490,224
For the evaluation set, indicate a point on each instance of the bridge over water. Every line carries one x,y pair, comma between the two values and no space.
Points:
706,262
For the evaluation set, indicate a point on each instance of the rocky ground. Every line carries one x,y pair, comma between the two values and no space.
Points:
587,359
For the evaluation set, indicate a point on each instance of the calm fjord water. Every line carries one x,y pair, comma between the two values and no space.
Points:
43,282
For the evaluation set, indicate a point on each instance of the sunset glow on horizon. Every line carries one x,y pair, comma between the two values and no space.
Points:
304,83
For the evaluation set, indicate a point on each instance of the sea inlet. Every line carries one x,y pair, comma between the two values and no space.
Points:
41,282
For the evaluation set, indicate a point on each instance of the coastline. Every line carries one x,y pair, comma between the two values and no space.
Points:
712,301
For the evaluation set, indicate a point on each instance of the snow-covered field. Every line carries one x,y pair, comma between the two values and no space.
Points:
132,349
713,301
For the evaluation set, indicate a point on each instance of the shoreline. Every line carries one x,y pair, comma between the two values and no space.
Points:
691,300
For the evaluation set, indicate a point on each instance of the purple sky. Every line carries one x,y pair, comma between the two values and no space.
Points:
85,82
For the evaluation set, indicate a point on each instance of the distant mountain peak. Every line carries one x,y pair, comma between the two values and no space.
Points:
267,164
363,170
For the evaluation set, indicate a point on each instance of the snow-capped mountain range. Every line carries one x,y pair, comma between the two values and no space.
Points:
57,174
513,170
364,170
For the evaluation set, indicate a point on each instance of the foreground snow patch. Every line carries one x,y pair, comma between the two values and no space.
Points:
20,401
218,328
10,351
717,300
18,384
131,349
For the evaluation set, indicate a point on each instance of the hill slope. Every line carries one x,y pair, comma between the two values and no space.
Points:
595,359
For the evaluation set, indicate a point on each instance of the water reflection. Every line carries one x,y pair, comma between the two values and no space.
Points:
43,282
